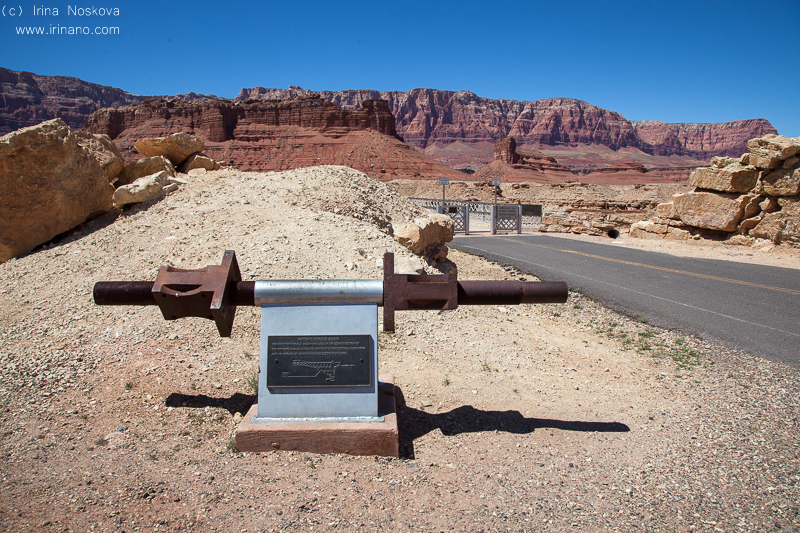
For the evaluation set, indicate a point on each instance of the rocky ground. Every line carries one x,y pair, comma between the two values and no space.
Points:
529,418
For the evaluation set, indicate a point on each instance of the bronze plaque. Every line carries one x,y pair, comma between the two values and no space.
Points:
313,361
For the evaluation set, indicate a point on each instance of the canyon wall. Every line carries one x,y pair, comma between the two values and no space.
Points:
268,135
700,140
425,117
29,99
456,128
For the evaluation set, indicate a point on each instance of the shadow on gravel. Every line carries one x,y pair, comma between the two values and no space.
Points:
414,423
237,403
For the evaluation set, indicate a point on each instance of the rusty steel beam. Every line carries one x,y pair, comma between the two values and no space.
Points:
215,291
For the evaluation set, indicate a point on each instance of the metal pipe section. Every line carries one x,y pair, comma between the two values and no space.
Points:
141,293
341,291
123,293
334,291
511,292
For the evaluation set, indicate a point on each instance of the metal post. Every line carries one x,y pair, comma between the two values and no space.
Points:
494,219
443,193
519,219
495,182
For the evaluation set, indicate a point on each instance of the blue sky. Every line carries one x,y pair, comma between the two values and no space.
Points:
699,61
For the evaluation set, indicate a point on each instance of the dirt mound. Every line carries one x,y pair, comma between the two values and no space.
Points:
348,192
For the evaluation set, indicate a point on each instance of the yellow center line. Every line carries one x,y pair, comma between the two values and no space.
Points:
705,276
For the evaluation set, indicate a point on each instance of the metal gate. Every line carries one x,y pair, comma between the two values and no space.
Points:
459,214
506,218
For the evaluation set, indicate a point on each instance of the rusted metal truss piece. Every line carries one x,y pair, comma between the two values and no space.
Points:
214,292
409,291
203,292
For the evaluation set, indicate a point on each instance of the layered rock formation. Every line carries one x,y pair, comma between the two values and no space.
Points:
276,134
702,141
429,117
511,164
49,183
598,222
28,99
756,196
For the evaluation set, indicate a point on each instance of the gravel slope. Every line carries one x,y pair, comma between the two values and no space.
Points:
528,418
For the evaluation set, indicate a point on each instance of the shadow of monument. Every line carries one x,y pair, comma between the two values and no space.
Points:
237,403
413,423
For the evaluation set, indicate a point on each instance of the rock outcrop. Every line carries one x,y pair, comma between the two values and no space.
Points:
199,160
49,184
755,196
276,135
701,141
598,222
458,128
511,164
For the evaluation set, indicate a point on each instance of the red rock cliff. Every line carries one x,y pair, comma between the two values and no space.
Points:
276,134
428,116
28,99
701,140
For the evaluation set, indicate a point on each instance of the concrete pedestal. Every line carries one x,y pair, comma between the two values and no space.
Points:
353,438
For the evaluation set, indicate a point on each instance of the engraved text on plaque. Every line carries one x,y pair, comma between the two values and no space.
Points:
311,361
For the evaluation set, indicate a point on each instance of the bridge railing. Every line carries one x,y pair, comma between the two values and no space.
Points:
482,211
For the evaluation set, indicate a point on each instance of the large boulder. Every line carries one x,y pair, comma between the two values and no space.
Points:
771,150
144,167
176,147
717,211
732,177
781,226
143,189
782,182
198,161
428,235
102,148
49,184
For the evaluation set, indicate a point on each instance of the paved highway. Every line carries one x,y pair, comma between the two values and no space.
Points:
752,308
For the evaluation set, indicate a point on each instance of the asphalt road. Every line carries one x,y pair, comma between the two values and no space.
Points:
752,308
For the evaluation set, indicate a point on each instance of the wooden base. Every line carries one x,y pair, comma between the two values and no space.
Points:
353,438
